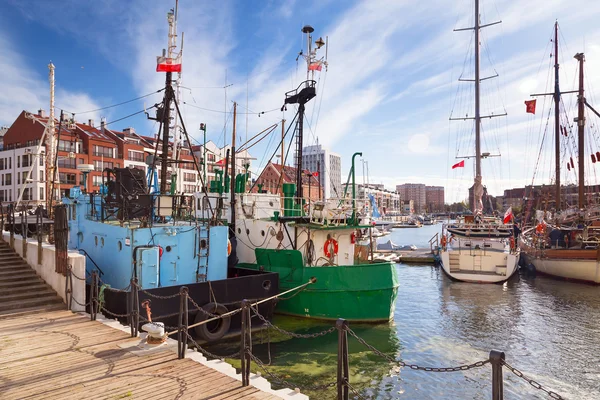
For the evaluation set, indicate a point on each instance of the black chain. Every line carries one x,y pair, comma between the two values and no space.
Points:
108,287
293,334
279,380
208,353
75,276
171,328
464,367
533,383
156,296
83,305
356,392
202,310
113,314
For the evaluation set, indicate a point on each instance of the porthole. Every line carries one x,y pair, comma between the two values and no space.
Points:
247,231
120,245
266,284
262,233
96,240
239,230
168,248
271,203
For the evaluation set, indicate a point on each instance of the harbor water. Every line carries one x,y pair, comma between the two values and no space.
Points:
548,328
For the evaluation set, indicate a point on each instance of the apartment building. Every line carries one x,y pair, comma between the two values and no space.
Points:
329,166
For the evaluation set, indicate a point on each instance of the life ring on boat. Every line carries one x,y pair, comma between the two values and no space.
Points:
511,240
443,241
330,244
228,247
213,330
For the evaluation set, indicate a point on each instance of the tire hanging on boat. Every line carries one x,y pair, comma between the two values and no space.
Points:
213,330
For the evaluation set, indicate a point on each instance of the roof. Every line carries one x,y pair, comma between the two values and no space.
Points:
93,133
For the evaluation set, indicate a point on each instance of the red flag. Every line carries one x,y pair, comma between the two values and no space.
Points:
315,66
530,106
165,64
220,162
508,215
459,165
316,173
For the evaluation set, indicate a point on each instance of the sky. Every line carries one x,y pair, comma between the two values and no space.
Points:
390,87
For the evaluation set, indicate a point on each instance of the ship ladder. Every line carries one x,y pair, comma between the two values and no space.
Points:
454,258
202,274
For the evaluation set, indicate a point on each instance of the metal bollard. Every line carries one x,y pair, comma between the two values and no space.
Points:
342,362
182,336
24,228
496,358
11,218
246,342
69,288
40,232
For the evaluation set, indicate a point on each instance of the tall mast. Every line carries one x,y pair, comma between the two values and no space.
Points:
580,130
50,144
164,165
477,95
556,119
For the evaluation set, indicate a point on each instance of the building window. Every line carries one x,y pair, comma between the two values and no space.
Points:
8,180
41,193
67,163
189,177
101,165
81,161
18,161
41,160
135,156
41,176
103,151
25,176
26,160
26,194
64,145
97,180
2,164
210,157
68,178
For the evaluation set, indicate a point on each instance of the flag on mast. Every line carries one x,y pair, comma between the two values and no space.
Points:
508,215
459,164
315,66
168,64
530,106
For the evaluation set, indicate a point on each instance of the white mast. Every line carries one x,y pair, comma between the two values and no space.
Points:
50,144
172,18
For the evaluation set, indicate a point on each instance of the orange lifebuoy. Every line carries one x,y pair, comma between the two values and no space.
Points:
540,228
228,247
443,240
512,242
331,242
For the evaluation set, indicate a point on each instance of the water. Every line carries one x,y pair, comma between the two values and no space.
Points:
549,329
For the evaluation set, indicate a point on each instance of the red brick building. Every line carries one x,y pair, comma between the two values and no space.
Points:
270,180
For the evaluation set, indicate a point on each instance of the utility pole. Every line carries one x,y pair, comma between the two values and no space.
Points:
580,130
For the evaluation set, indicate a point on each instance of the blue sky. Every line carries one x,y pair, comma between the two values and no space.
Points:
389,90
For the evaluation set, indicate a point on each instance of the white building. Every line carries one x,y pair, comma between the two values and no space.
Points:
22,169
215,159
328,165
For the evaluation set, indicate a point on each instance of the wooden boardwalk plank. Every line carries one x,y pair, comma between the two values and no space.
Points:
63,355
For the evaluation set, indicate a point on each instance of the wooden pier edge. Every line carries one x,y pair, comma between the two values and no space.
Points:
64,354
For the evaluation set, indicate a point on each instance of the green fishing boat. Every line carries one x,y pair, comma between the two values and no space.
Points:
303,238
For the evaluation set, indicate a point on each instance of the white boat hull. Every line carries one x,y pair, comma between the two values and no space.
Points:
480,261
578,270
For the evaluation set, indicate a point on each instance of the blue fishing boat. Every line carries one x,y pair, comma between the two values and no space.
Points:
136,227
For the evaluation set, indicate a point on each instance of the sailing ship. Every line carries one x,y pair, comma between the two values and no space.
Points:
300,240
132,233
565,243
478,249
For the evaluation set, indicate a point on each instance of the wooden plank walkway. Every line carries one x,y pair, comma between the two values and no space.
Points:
62,355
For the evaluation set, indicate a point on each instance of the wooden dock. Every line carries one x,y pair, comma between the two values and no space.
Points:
62,355
420,256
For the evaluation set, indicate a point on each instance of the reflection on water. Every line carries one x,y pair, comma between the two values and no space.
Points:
549,329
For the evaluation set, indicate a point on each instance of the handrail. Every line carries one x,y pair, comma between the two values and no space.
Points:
92,260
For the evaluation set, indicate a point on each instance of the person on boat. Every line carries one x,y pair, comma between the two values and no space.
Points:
516,231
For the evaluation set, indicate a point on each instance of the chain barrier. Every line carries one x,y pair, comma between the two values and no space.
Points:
83,305
75,276
356,392
114,314
202,310
208,353
281,381
532,382
156,296
464,367
293,334
108,287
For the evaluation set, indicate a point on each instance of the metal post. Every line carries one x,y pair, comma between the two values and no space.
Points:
11,215
135,308
94,296
24,233
342,361
246,342
40,232
69,288
354,214
183,322
496,359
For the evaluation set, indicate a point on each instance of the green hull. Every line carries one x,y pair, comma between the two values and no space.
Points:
359,293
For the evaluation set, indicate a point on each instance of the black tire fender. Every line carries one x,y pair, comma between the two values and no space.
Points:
213,330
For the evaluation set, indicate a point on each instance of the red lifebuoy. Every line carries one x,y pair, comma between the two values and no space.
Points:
512,242
330,244
228,247
540,228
